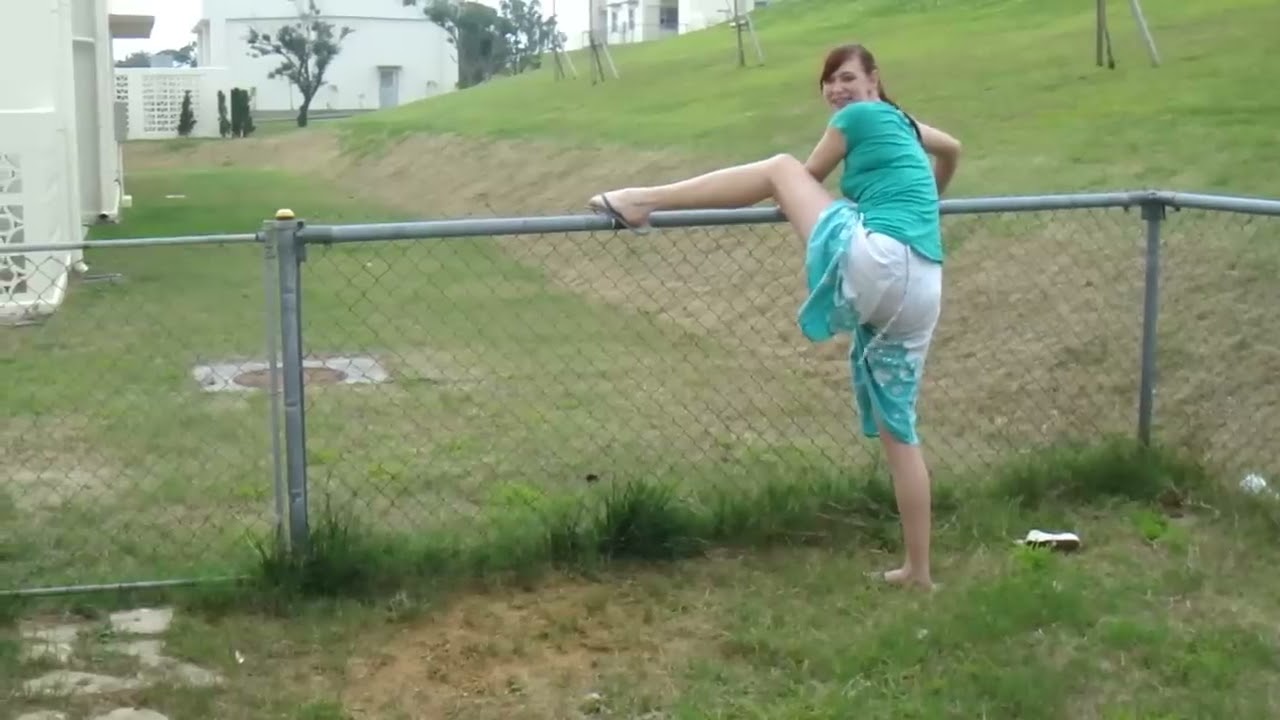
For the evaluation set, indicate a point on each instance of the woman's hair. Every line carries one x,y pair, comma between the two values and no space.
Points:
840,55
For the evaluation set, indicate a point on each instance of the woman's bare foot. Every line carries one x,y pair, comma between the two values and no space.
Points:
904,576
625,205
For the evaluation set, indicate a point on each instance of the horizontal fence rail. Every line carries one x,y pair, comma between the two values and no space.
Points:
215,389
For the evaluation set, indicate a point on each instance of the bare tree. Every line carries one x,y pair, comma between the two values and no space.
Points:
305,48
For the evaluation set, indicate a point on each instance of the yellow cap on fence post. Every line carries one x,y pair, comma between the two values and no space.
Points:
284,214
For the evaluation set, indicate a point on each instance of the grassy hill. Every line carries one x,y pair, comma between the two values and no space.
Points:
1015,79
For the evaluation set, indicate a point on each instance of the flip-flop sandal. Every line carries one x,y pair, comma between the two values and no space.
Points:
1064,541
612,212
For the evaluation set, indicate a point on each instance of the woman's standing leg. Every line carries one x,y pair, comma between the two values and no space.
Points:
887,374
911,487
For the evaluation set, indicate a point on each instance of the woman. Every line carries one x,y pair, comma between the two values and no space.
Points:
873,270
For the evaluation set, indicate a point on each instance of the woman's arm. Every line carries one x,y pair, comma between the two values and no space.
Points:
827,154
945,150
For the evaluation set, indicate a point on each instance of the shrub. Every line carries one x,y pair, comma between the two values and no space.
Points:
224,122
186,117
241,113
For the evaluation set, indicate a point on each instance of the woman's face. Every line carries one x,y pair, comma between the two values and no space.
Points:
850,84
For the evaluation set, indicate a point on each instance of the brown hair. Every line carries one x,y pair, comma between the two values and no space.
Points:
840,55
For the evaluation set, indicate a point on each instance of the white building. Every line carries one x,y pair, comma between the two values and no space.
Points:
61,167
394,56
699,14
630,21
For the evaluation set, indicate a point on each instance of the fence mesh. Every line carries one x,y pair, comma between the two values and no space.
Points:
121,461
1219,340
547,363
446,379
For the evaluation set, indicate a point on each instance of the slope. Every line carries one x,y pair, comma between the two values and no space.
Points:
1014,78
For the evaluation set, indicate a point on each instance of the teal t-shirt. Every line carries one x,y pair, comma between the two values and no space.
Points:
888,174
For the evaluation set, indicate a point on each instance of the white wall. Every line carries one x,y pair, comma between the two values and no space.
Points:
385,34
153,97
101,181
39,173
629,21
699,14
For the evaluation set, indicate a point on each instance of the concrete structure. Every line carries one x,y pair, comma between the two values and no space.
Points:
699,14
394,56
152,100
629,21
61,167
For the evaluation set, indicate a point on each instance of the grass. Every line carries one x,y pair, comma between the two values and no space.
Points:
495,529
1015,80
1150,619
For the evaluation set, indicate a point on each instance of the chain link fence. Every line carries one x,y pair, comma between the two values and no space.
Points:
431,373
130,452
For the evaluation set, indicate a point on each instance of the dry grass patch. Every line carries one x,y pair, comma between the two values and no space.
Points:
556,652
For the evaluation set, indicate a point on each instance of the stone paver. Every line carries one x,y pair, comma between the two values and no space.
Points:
192,675
73,682
145,621
57,643
148,652
131,714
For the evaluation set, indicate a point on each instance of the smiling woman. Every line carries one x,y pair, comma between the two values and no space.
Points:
874,257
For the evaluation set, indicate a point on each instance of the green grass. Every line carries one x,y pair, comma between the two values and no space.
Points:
1150,619
1016,81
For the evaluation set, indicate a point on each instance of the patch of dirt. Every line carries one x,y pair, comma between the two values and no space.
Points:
48,465
550,653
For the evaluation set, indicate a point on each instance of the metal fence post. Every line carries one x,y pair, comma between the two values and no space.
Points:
271,305
1153,212
290,256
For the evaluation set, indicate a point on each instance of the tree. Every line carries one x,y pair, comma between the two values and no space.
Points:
491,42
184,56
224,124
478,34
137,59
529,35
305,48
186,117
241,113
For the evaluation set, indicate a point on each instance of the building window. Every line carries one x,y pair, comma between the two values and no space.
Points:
669,17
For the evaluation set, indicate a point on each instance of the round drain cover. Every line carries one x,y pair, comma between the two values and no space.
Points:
317,375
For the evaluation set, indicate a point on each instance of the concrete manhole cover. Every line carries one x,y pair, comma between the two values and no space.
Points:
249,376
310,375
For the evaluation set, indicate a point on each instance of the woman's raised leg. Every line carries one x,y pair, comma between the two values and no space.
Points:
782,177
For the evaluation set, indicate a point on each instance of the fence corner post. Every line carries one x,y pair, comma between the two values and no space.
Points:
1153,213
271,320
290,254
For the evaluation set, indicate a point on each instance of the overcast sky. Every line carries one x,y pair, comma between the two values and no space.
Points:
175,18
